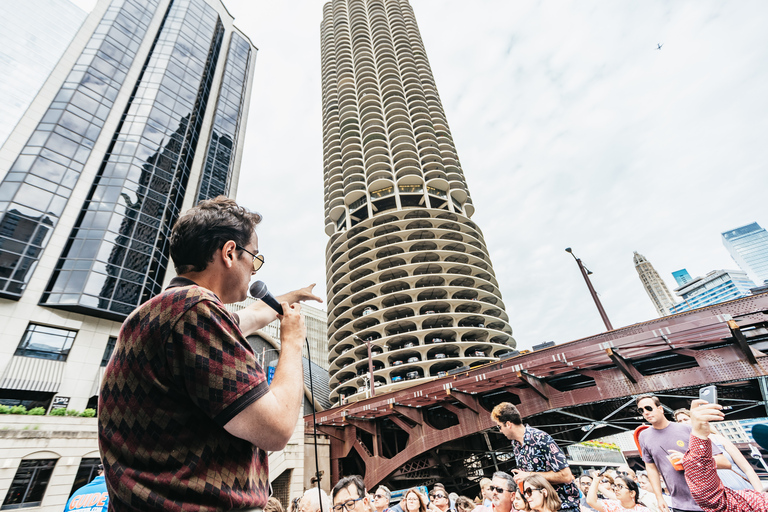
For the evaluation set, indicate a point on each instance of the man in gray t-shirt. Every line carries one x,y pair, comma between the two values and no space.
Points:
655,444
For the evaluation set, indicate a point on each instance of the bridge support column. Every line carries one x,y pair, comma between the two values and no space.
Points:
764,391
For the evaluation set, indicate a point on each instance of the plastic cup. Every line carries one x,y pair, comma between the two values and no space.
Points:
676,460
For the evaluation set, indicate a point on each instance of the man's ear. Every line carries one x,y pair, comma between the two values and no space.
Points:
227,253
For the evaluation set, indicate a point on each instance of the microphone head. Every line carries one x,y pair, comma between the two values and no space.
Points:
258,290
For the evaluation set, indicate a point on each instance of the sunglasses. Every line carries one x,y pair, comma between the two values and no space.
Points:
258,260
437,495
619,486
529,491
499,490
378,496
640,410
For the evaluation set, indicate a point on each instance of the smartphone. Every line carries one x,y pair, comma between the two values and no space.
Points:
708,394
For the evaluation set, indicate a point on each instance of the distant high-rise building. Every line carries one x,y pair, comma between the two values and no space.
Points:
748,246
717,286
654,286
33,36
682,277
408,271
143,116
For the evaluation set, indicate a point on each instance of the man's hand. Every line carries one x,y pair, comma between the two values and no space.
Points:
258,314
701,414
292,328
300,295
520,475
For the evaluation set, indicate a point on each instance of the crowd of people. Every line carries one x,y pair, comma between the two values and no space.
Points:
689,467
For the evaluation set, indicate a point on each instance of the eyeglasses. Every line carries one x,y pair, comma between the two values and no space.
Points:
378,496
640,410
437,495
605,481
348,505
499,490
258,260
619,486
586,482
529,491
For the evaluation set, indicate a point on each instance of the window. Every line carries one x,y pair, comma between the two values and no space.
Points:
46,342
88,470
28,486
108,351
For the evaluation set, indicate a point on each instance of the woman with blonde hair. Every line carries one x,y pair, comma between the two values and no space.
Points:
540,494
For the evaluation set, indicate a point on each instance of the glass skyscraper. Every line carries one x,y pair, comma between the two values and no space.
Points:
141,118
748,246
717,286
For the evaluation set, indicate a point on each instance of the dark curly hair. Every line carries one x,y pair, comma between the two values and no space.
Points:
204,229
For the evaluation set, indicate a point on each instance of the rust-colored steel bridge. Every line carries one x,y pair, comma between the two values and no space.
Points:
442,430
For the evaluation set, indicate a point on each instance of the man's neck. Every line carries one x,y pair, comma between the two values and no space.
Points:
518,433
661,424
445,507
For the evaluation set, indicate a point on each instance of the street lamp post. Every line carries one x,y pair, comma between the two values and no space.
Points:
371,384
585,272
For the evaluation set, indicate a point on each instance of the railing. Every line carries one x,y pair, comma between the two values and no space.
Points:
437,192
382,192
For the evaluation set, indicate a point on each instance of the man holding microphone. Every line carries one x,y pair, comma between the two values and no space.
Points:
185,413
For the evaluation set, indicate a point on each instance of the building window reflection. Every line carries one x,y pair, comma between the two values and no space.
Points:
45,342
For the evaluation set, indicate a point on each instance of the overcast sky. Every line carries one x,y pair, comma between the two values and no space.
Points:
572,129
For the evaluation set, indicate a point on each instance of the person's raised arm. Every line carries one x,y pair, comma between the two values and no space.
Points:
592,500
269,422
259,314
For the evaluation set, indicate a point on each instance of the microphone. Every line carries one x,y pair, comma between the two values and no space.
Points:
259,291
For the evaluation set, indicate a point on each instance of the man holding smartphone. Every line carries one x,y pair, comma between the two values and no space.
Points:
656,444
701,472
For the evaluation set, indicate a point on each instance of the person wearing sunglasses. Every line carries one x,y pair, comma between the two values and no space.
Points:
655,445
186,416
540,494
439,500
626,496
381,499
502,490
536,453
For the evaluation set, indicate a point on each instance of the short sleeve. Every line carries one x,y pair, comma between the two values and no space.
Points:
646,453
555,457
214,362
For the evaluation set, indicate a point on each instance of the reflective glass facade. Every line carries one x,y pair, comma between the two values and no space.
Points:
34,192
716,287
33,36
117,254
748,246
226,124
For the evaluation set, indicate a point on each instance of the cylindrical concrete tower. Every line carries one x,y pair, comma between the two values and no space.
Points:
406,268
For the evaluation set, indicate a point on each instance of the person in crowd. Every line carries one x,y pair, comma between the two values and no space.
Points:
381,499
627,496
438,499
486,495
585,481
413,501
464,504
646,498
741,475
644,482
701,469
186,416
348,495
273,505
312,500
519,503
92,497
503,489
536,453
540,494
605,485
293,506
655,444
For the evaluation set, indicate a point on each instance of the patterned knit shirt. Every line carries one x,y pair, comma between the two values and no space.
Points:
180,371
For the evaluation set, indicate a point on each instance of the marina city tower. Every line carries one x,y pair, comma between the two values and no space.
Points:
408,272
